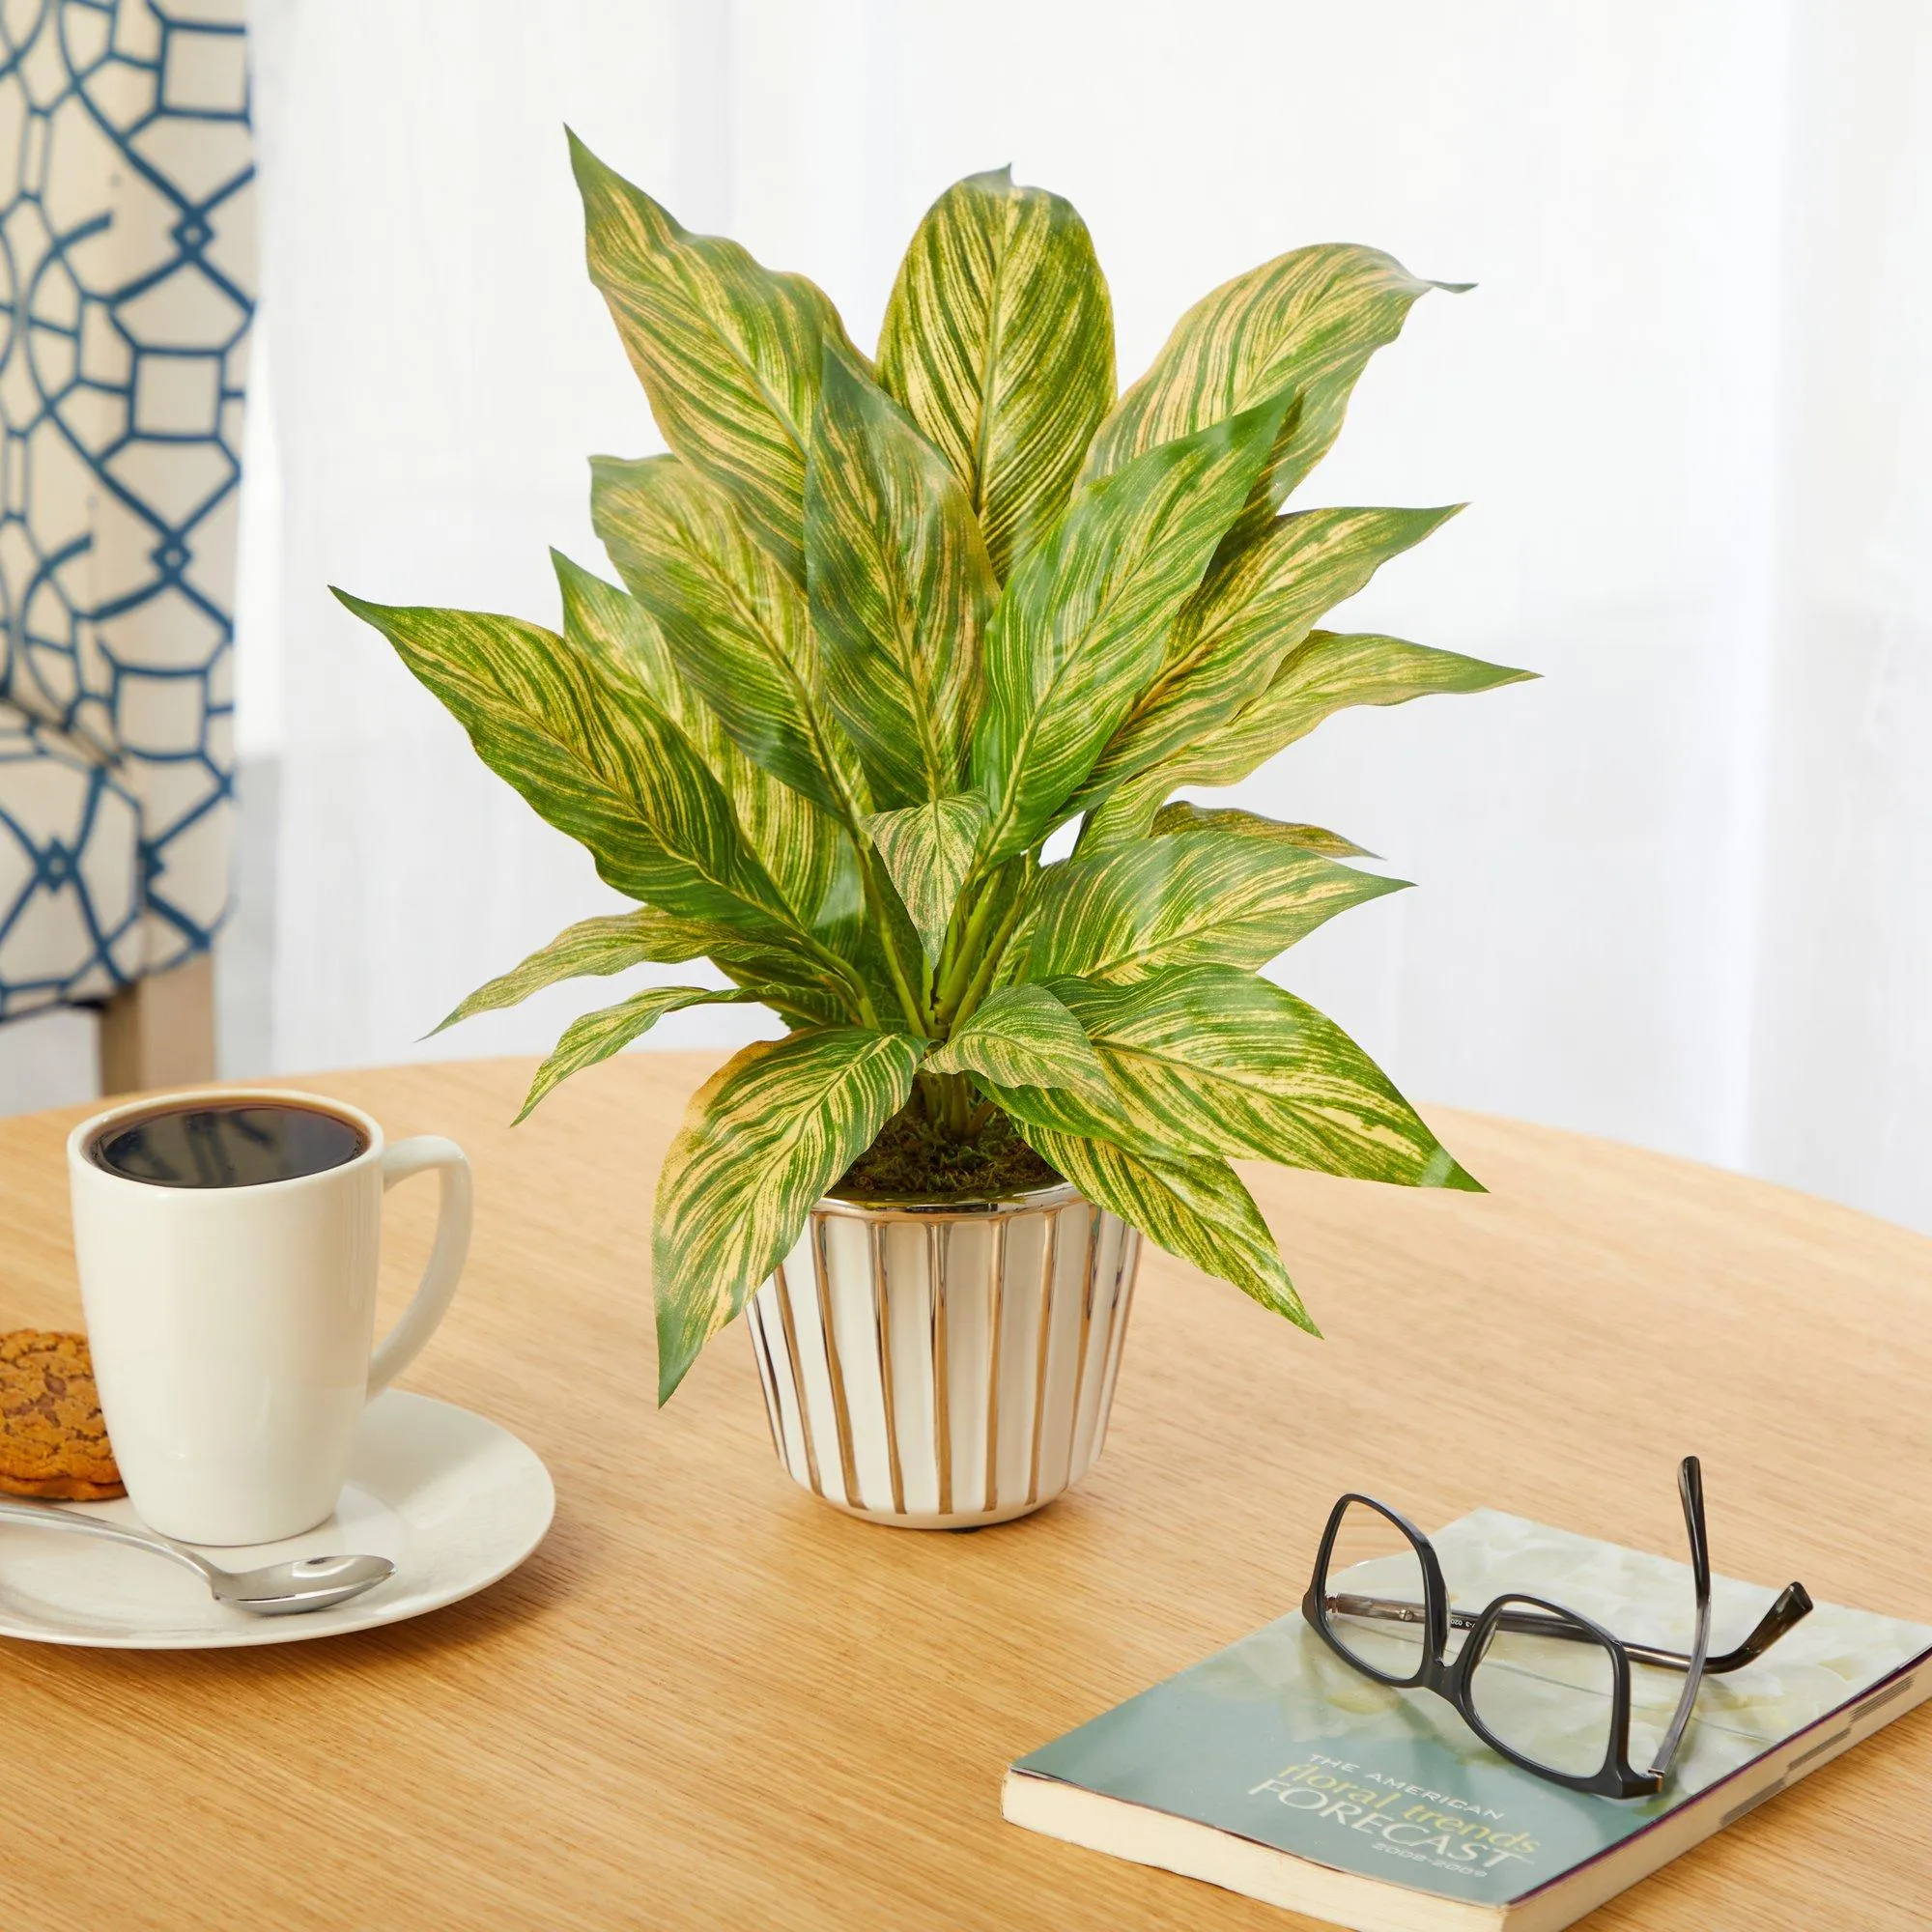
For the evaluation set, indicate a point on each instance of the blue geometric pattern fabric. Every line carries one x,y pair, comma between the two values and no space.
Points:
70,871
126,290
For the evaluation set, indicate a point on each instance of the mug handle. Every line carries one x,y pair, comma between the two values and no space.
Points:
403,1343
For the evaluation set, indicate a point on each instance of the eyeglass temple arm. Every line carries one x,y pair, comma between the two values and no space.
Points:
1792,1605
1691,1487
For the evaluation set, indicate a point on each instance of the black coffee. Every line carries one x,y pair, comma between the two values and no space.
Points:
227,1144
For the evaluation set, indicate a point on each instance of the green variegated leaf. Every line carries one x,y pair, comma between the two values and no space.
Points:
761,1141
1086,1115
1328,672
598,1036
590,947
1181,816
1194,1207
1212,1059
807,853
1193,899
787,979
1022,1036
1306,322
739,632
999,338
927,850
728,352
1245,619
1083,625
597,761
612,626
900,588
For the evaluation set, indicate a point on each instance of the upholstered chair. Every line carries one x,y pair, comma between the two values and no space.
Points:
127,289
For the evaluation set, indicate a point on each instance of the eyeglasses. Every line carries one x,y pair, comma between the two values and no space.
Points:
1540,1683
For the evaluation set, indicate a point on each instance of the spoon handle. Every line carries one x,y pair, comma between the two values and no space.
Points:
50,1516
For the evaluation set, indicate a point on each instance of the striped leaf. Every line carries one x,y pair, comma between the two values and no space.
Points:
598,1036
739,632
786,980
728,352
813,862
590,947
1330,672
999,339
761,1141
1192,1204
598,762
1082,624
1085,1115
927,851
1194,1207
612,627
1245,619
1181,816
1192,898
1212,1059
900,590
1327,673
1306,322
793,982
1022,1036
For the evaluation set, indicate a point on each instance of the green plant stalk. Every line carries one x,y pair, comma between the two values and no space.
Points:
944,966
956,1098
963,959
848,975
946,1100
977,986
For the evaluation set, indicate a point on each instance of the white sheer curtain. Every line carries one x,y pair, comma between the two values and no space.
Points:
1678,892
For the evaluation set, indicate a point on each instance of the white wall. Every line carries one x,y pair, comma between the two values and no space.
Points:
1841,1063
1675,893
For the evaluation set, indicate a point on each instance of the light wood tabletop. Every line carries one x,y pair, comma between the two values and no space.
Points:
710,1700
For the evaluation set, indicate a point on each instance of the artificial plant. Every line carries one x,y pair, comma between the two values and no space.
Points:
887,624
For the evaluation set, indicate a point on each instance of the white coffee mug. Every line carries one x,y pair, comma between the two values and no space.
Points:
231,1327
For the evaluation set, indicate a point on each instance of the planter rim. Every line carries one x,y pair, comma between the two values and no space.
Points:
1029,1201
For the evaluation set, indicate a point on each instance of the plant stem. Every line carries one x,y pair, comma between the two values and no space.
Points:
965,959
946,1100
850,974
958,1104
982,974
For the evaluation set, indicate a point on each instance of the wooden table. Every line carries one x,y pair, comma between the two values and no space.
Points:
709,1700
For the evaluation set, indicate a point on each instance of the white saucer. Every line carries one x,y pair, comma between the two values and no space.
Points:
452,1500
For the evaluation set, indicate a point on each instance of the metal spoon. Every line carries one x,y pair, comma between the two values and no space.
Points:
275,1590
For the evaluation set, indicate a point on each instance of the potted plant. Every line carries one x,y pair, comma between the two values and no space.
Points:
887,625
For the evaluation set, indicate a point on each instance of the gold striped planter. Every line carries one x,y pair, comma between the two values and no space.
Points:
938,1368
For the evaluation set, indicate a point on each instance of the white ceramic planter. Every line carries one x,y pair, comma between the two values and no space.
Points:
939,1368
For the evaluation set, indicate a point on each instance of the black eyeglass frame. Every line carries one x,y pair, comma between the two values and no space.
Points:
1616,1776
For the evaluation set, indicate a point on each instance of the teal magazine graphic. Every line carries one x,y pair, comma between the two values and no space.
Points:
1277,1740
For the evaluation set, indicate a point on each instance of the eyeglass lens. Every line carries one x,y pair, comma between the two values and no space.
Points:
1372,1558
1549,1699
